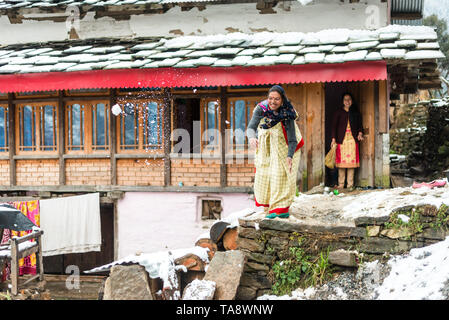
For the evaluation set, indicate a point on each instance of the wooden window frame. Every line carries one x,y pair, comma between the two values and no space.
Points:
88,146
204,101
40,94
250,102
3,96
37,110
6,133
138,94
86,92
249,89
193,90
141,148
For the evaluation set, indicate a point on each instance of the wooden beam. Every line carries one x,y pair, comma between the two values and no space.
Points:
168,107
61,138
113,137
12,139
378,138
110,188
223,114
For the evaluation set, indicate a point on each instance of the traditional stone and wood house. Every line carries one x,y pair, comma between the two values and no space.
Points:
186,69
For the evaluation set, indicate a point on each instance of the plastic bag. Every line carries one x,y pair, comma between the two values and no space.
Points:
329,161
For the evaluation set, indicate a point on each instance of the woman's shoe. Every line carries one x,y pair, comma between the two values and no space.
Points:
284,215
275,215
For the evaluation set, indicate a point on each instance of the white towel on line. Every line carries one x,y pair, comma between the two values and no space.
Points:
70,224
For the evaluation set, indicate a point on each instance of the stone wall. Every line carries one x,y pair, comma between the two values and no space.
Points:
409,128
266,241
421,132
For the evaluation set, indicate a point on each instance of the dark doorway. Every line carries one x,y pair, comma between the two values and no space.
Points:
186,112
85,261
333,101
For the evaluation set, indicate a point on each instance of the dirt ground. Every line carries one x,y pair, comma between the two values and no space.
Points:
55,287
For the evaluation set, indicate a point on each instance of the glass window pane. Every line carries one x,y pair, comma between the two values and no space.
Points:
28,128
3,129
99,128
48,128
151,127
240,107
129,138
211,139
77,127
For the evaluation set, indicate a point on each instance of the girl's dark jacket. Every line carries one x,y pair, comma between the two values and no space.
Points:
340,121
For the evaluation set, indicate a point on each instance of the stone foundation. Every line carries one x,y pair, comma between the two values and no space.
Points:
266,241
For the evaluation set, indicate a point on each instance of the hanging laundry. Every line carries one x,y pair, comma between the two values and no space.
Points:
30,209
70,224
6,267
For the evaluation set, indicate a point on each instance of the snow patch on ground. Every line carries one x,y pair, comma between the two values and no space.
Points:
421,274
199,290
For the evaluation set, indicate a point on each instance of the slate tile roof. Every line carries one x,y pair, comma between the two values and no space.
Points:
394,44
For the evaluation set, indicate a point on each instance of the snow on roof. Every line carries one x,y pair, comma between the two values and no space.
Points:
233,49
157,264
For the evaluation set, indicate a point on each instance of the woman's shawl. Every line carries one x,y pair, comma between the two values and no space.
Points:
285,112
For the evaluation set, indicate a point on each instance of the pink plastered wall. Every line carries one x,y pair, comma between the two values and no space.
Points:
157,221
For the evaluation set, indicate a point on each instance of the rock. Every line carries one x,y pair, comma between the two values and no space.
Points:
393,233
255,280
367,221
226,270
251,245
343,258
278,243
246,293
372,231
253,266
434,234
199,290
249,233
260,258
127,283
427,210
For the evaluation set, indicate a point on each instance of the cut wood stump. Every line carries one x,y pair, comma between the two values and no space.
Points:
230,239
207,243
191,262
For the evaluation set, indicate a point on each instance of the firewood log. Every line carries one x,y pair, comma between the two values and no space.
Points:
230,239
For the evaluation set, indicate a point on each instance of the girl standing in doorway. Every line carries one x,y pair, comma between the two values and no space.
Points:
347,132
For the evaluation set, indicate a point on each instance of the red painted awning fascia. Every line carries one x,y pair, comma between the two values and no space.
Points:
194,77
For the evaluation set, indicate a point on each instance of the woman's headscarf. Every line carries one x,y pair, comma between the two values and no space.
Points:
285,112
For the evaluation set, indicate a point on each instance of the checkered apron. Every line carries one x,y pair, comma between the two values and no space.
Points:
274,186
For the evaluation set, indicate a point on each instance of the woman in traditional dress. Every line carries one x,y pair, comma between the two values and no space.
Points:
277,143
347,132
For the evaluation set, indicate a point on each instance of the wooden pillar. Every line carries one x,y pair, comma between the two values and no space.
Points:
297,94
223,115
367,146
168,106
382,144
39,258
14,266
113,137
12,139
314,138
61,137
